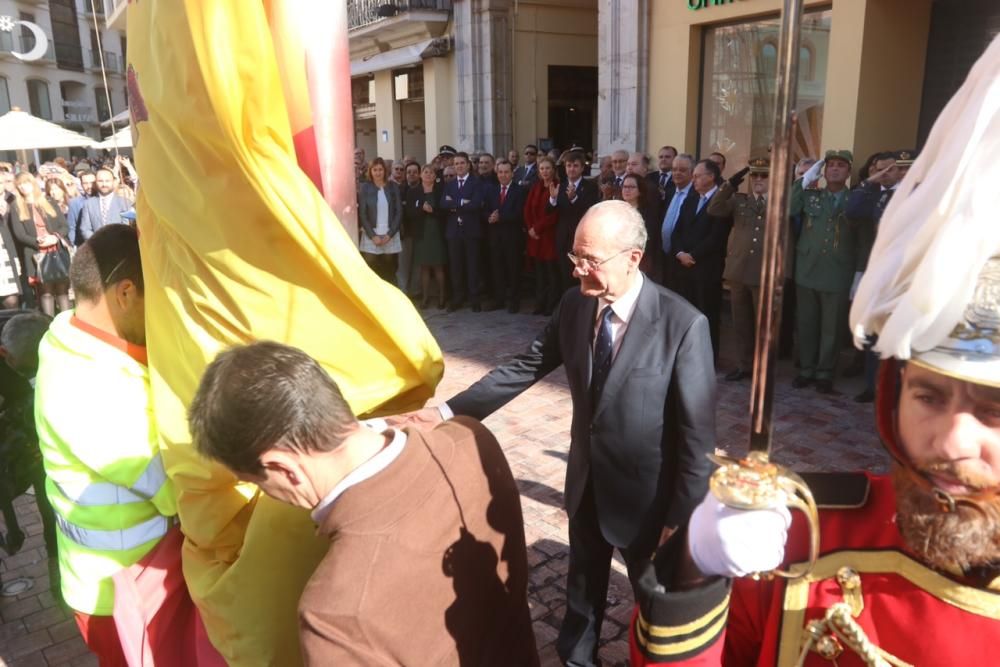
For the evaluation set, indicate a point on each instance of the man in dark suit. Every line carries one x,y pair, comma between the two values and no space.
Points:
463,200
643,386
660,178
693,266
573,197
527,173
505,233
678,192
104,208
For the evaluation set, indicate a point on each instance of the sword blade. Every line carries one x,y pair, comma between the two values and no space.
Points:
772,275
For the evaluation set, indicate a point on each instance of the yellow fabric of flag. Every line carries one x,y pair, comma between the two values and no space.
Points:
239,245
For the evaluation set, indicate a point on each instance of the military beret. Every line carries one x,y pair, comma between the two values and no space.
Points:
905,158
447,150
760,165
841,154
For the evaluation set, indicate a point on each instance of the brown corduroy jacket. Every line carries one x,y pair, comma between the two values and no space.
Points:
427,562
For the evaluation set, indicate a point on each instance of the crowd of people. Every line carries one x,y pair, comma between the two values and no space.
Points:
45,212
486,223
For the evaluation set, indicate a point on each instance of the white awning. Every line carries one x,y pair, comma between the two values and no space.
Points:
408,55
22,131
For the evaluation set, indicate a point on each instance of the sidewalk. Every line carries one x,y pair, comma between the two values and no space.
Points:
812,432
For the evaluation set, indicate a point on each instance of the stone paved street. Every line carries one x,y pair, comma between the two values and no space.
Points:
813,432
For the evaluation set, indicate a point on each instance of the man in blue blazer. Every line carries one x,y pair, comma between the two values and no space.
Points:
463,200
505,233
105,208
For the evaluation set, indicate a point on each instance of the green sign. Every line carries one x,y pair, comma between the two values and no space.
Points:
702,4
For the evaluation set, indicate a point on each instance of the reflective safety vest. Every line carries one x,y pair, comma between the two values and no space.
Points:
105,478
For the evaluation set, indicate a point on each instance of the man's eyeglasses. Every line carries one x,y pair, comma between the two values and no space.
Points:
587,264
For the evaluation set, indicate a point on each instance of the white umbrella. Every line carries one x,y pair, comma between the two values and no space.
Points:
21,131
123,139
117,119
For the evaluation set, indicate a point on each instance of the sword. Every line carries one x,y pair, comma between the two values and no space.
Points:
754,482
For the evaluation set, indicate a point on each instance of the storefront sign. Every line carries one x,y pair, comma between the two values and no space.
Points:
702,4
41,39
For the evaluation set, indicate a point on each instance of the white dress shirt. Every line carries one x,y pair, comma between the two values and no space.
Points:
622,309
366,470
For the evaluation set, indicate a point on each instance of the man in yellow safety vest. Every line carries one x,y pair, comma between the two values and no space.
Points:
105,479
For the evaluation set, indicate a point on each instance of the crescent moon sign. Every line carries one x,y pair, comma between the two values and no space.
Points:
41,43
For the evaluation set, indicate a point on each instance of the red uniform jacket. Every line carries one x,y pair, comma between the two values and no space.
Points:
912,612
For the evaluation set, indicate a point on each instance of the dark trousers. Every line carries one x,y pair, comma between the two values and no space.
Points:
820,321
383,265
706,296
564,244
506,256
546,285
744,300
587,581
463,265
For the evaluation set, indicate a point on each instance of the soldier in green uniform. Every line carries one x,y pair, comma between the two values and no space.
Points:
743,254
827,255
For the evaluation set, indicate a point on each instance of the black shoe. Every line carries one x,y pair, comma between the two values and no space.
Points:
513,309
867,396
452,307
737,375
824,386
13,541
496,305
800,381
538,310
476,308
425,303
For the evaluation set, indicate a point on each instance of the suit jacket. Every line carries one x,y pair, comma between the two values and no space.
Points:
465,207
427,562
90,216
512,209
643,445
526,178
26,237
368,207
865,206
571,212
703,237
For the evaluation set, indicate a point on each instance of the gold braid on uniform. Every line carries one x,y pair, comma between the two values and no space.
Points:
828,636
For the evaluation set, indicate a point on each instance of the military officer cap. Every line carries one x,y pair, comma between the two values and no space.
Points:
760,165
905,158
840,154
447,151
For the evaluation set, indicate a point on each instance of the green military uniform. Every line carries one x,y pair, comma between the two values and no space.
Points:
827,255
743,258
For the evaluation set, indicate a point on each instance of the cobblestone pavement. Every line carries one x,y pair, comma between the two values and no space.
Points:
812,432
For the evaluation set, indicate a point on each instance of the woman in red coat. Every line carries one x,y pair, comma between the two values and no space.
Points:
541,247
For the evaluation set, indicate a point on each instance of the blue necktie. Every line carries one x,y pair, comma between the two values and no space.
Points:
701,204
670,220
602,356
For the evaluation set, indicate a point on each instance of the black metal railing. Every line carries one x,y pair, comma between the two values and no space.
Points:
361,13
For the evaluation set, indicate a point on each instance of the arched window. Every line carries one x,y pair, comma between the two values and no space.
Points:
769,58
38,99
807,64
4,96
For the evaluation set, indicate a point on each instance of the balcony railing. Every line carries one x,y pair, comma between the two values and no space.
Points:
361,13
12,41
112,61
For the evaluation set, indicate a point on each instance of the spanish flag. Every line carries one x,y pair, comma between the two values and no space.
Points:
242,156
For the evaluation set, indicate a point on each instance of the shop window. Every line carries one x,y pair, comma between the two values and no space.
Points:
738,87
38,99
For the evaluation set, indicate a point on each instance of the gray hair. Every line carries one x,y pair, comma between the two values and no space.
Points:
686,156
633,232
21,336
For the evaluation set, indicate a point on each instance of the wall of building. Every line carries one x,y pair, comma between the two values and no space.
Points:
17,73
555,32
877,106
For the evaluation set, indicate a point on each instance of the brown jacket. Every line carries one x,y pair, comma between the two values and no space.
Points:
427,562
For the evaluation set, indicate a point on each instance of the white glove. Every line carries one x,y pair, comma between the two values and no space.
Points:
813,174
729,542
854,285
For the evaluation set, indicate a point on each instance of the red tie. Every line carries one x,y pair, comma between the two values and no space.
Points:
503,194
